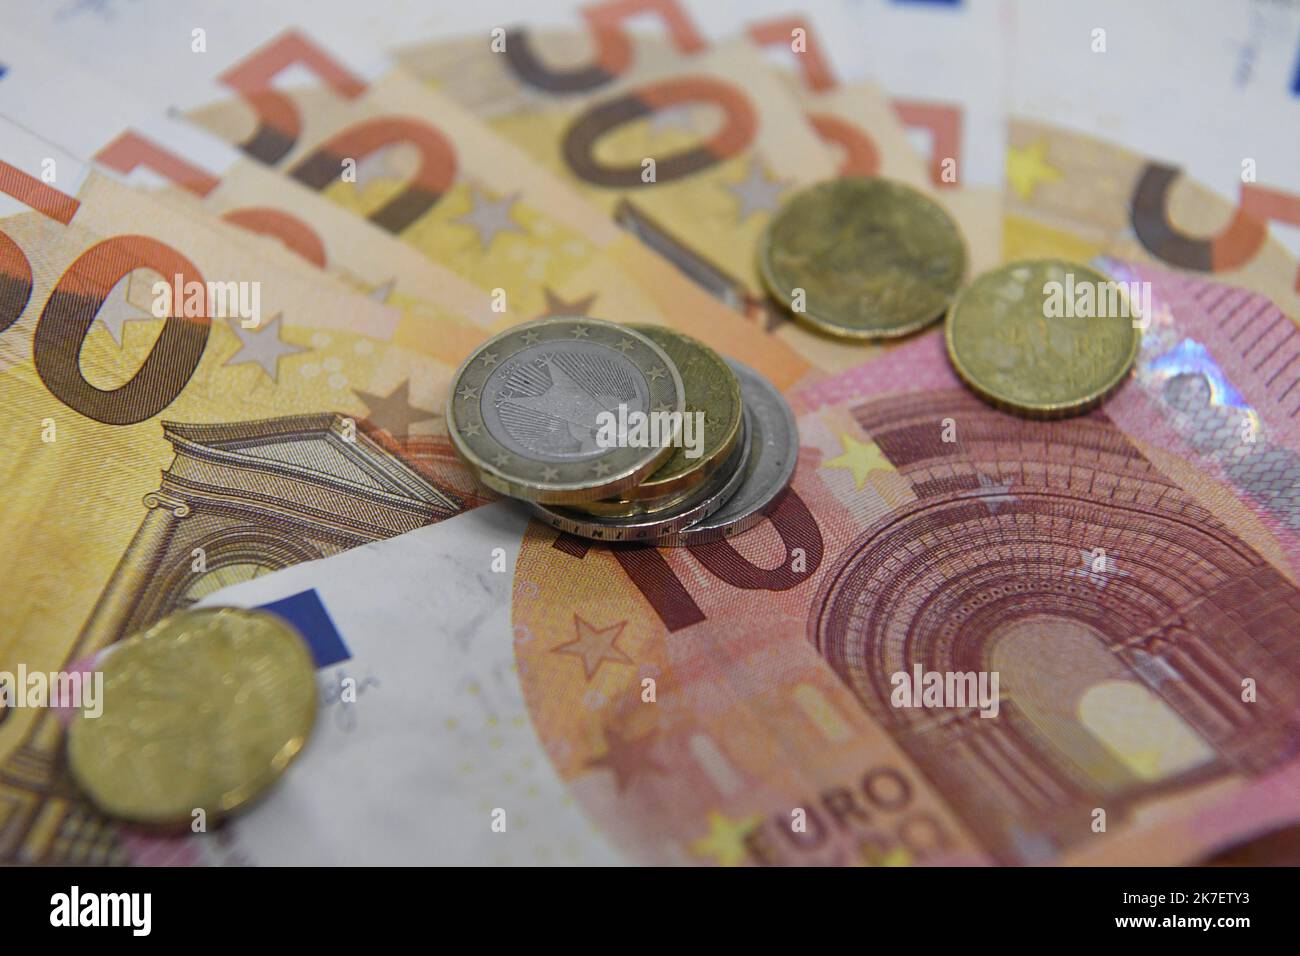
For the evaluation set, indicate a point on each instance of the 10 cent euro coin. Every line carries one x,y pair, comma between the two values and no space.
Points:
863,258
203,711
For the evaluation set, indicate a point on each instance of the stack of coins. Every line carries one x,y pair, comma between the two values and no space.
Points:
874,259
623,432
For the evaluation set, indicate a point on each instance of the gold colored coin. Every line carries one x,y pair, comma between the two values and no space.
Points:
1045,338
634,507
863,258
204,710
714,408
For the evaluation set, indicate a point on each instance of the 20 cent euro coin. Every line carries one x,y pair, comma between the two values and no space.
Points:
1017,342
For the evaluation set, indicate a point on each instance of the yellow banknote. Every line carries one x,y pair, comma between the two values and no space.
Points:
543,82
860,123
1075,195
443,314
692,154
446,184
179,414
871,134
135,139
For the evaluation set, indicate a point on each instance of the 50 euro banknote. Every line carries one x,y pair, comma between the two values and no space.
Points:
1129,576
691,154
444,183
1076,195
526,80
178,413
401,159
134,139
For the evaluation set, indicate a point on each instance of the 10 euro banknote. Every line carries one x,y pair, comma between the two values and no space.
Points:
1124,583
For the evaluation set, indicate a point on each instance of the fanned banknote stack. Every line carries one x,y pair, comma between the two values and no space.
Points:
245,247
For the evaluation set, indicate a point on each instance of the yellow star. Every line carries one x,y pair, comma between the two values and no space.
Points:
725,841
899,856
1028,167
859,458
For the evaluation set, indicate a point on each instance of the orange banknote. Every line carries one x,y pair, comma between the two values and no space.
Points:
180,414
962,638
1131,575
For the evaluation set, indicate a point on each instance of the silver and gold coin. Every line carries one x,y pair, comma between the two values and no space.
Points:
773,438
863,258
203,711
530,409
702,502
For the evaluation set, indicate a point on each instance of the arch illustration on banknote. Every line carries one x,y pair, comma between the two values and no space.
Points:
993,568
250,498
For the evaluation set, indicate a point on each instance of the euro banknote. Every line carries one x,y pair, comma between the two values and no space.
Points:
950,92
1075,195
927,533
465,198
1199,184
691,154
874,136
696,205
542,69
1214,98
1129,576
138,141
439,179
285,422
